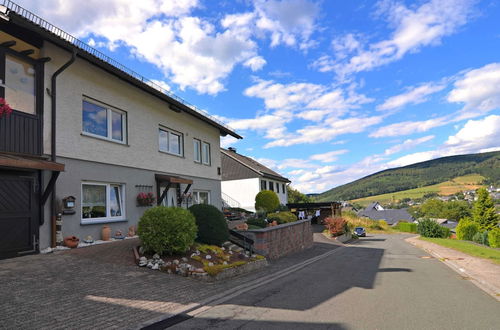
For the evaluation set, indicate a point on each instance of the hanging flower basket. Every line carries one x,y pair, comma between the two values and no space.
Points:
145,199
5,109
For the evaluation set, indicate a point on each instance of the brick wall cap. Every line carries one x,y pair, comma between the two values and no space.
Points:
268,229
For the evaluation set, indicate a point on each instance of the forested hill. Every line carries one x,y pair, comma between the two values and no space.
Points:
418,175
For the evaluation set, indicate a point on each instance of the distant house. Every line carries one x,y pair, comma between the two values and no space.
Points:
375,211
243,178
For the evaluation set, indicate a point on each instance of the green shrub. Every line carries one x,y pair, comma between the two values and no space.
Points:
267,200
430,228
167,230
481,238
256,222
466,229
282,208
375,224
407,227
281,217
494,238
212,226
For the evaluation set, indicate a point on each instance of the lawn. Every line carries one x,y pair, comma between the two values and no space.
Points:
468,248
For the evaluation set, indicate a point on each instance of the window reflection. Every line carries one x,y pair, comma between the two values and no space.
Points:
20,84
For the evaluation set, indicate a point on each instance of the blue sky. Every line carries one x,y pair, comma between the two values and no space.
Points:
324,92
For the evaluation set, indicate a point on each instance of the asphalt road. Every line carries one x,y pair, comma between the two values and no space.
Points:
381,282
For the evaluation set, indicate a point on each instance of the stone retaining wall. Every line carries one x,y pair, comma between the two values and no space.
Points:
278,241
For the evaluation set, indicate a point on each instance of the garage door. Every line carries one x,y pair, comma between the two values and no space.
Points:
19,214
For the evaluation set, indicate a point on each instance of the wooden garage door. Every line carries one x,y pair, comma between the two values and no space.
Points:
19,214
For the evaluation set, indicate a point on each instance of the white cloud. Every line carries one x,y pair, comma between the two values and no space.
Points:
410,127
425,25
326,131
478,90
329,157
408,144
289,22
475,136
414,95
255,63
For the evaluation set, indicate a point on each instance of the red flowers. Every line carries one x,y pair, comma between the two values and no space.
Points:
5,108
145,199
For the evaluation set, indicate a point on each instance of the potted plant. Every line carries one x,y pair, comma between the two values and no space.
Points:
71,241
145,199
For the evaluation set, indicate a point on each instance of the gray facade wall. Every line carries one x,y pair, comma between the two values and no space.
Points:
78,171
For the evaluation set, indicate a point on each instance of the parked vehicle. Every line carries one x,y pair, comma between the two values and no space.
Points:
360,231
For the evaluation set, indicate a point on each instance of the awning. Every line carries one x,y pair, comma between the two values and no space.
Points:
16,161
34,163
172,179
168,180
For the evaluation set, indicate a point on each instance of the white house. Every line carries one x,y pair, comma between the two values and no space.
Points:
243,178
86,137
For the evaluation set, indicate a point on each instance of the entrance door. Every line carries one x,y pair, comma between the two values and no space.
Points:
19,214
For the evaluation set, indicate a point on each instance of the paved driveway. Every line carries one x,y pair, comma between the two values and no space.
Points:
381,282
100,288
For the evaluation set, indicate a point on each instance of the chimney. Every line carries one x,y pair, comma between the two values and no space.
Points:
232,149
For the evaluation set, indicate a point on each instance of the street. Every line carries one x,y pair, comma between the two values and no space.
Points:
380,282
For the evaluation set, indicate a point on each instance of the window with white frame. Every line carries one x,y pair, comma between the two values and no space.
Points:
205,153
103,121
197,150
170,141
201,197
102,202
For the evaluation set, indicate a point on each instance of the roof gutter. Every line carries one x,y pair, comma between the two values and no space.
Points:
53,154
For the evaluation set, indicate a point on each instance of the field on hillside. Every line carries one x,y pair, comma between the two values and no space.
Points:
461,183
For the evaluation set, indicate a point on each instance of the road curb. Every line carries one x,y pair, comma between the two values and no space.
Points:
196,308
486,287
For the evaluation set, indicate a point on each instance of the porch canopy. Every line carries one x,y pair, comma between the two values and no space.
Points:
168,181
33,163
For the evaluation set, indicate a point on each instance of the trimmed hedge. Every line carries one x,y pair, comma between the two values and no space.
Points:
167,230
212,226
481,238
281,217
267,200
256,222
494,238
407,227
466,229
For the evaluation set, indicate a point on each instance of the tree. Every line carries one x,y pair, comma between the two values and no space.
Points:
432,208
456,210
295,196
483,212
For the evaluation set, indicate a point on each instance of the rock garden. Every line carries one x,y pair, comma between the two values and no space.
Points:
192,242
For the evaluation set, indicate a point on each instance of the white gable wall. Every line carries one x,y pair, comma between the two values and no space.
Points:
243,191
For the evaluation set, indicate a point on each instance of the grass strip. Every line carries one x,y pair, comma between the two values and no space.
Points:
467,248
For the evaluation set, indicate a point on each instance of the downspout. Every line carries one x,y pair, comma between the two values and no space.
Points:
53,94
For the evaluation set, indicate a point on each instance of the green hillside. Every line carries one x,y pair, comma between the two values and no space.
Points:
419,175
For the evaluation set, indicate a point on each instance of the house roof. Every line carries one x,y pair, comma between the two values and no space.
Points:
29,21
252,165
391,216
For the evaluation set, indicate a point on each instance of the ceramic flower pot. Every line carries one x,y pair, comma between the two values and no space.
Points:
71,241
105,233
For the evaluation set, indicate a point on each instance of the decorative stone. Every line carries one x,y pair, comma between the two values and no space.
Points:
161,262
143,262
223,248
210,264
150,265
156,256
230,252
197,252
208,257
155,267
168,263
224,263
175,262
184,259
193,255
